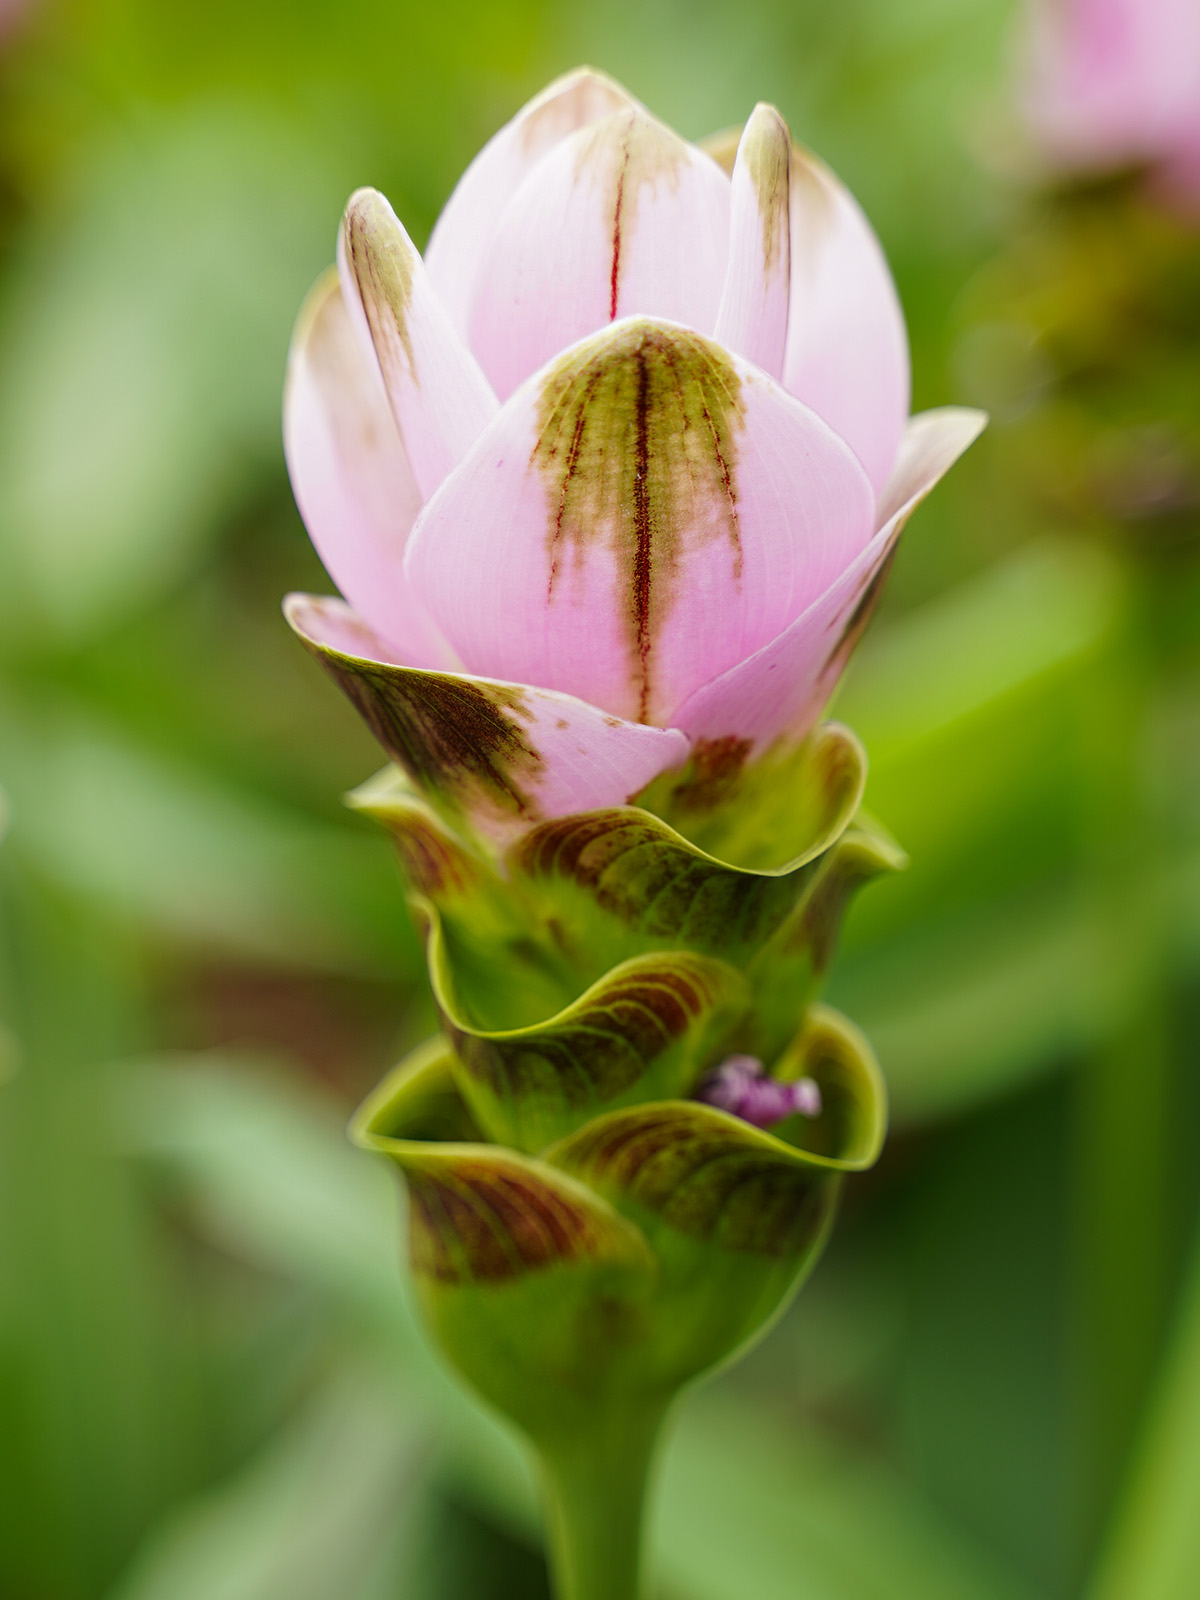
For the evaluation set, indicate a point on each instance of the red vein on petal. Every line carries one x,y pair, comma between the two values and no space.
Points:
614,279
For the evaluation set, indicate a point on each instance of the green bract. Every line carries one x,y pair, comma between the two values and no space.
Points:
587,1235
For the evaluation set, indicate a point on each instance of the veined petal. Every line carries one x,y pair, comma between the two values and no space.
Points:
847,349
623,217
440,399
753,316
502,754
459,255
351,476
643,514
782,688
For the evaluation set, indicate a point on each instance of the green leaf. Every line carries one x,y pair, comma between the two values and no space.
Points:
313,1514
262,1163
159,842
1153,1550
265,1173
140,358
756,1504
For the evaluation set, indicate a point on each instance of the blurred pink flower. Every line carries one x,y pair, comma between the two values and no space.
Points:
1113,83
633,437
11,13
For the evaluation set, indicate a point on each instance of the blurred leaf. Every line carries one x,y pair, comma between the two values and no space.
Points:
95,1379
1153,1552
978,711
272,1178
991,958
975,1007
326,1512
142,354
149,838
1043,609
10,1053
974,1401
749,1508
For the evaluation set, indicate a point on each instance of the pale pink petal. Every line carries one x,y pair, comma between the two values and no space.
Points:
503,754
623,217
351,477
459,251
440,399
643,514
1111,82
782,688
847,349
753,316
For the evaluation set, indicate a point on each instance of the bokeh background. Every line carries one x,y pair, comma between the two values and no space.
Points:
211,1385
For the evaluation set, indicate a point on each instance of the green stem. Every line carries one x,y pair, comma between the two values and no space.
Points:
596,1491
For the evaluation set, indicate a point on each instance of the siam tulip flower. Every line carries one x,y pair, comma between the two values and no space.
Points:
1116,83
609,480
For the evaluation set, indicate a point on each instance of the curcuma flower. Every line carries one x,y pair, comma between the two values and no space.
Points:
610,482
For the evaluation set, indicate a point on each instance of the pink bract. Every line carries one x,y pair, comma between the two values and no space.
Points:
618,467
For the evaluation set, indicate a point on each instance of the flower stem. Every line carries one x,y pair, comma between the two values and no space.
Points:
596,1491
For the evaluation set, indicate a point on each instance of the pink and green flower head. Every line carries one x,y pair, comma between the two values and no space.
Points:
609,481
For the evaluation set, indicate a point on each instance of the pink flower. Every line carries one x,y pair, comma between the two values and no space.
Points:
1113,83
623,459
12,12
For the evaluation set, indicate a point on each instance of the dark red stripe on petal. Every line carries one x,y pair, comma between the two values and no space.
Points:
459,738
697,1171
603,1046
637,444
639,871
487,1222
614,279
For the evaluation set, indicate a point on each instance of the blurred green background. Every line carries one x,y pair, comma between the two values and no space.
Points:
211,1387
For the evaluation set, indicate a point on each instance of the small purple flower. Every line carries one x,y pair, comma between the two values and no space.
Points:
740,1085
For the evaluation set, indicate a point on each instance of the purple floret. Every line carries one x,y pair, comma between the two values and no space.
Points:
739,1085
